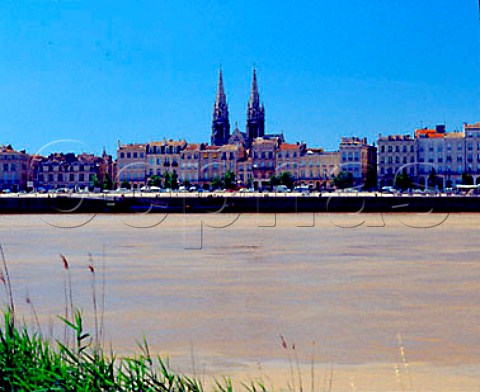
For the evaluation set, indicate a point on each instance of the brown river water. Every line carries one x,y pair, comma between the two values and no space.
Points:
375,302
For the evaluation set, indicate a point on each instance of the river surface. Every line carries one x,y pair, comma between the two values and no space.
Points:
215,292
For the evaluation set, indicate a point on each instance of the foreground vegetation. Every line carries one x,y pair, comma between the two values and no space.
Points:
29,362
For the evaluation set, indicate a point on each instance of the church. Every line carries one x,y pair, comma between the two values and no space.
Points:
255,127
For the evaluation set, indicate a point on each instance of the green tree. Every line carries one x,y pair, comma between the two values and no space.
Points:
167,180
403,180
125,184
467,179
370,178
174,180
171,179
95,182
432,178
343,180
286,179
216,183
107,182
155,181
274,180
229,180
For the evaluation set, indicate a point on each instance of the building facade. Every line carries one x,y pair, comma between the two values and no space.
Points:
432,158
358,158
71,171
396,154
13,169
131,165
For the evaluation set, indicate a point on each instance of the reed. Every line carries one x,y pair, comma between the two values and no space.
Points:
91,268
5,277
285,347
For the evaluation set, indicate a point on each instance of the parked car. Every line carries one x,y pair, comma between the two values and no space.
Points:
282,189
388,189
302,189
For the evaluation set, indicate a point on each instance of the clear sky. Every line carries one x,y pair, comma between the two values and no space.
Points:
98,71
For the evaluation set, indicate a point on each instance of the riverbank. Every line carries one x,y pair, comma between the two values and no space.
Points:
235,203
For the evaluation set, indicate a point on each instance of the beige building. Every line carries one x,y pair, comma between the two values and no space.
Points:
13,169
395,154
357,157
164,156
264,156
317,168
132,165
215,161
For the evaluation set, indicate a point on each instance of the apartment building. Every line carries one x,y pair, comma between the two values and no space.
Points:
447,156
396,154
358,158
13,169
75,172
131,165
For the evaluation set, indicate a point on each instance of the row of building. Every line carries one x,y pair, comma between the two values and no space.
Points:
254,157
21,171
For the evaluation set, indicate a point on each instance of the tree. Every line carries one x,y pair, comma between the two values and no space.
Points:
343,180
370,178
125,184
216,183
95,182
107,182
154,181
467,179
286,179
174,180
171,179
274,180
229,180
167,180
403,180
434,181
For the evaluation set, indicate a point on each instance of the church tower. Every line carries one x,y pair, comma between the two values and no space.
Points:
220,123
255,113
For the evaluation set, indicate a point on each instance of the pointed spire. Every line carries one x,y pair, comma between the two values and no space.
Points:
221,97
220,122
254,96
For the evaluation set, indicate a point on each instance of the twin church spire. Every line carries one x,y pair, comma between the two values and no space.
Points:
220,123
255,115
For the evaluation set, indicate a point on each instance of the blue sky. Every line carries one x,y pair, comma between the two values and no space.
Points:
98,71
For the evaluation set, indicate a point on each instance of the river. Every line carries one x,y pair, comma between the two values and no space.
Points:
215,292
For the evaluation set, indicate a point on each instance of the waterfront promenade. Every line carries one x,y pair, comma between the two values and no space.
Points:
222,202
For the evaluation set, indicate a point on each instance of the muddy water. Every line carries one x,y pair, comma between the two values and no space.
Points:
216,292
